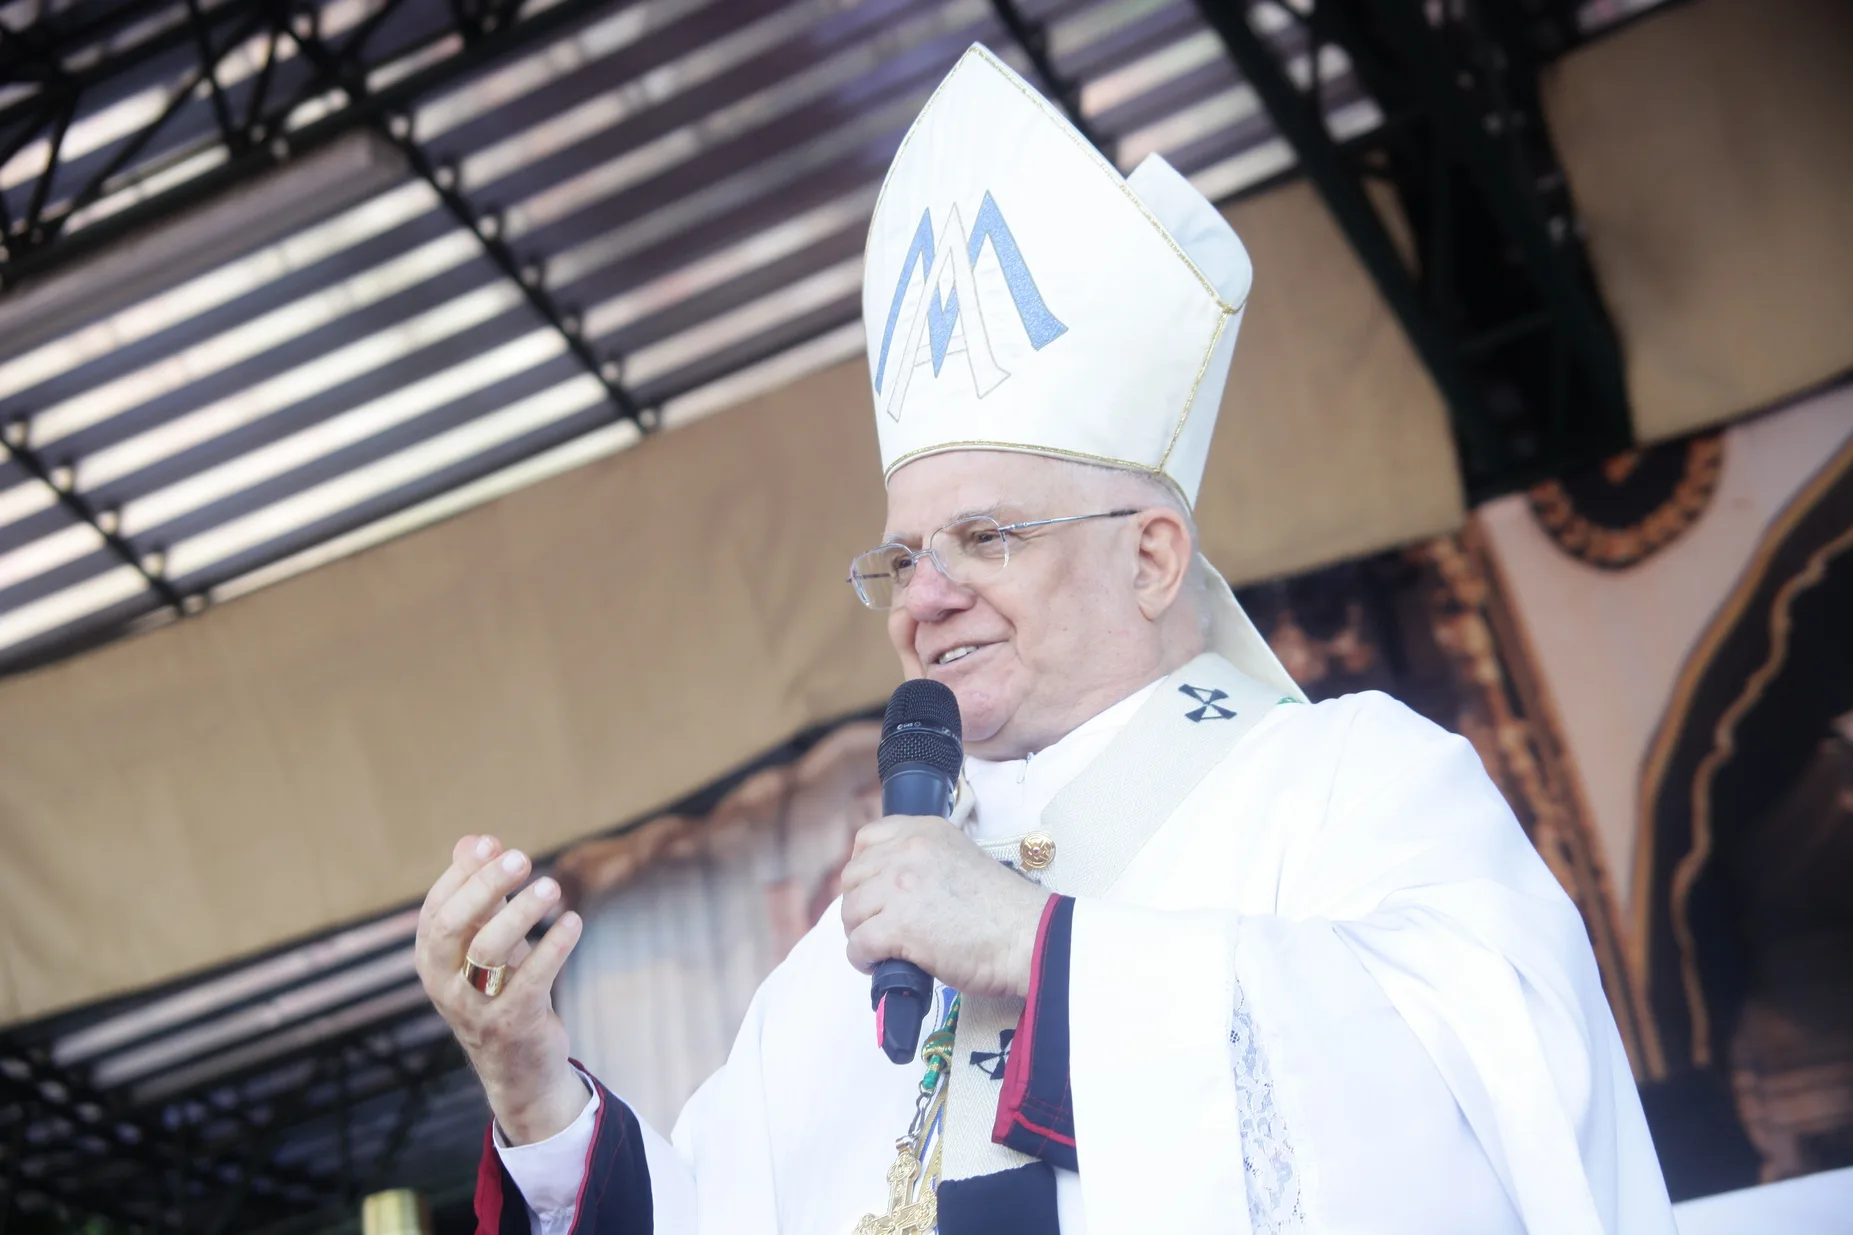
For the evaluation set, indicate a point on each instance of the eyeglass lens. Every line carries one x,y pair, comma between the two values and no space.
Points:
968,551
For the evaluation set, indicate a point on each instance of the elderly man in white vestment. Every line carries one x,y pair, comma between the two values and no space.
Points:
1210,958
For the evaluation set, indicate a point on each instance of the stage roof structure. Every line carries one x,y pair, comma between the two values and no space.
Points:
281,281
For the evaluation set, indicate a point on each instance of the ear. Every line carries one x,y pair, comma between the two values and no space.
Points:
1164,559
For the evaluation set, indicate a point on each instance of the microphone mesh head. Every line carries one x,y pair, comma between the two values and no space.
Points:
921,725
924,703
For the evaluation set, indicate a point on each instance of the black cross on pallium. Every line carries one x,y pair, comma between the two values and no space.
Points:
1208,697
993,1063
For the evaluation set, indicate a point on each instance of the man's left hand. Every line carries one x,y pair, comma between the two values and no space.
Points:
917,889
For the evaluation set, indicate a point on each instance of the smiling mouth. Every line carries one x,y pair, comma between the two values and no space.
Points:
952,655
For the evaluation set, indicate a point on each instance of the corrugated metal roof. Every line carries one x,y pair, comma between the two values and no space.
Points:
688,180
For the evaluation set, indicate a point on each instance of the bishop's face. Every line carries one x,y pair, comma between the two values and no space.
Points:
1055,637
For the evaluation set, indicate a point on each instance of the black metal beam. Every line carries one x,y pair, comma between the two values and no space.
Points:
22,258
62,1115
396,128
445,1057
1033,38
1301,121
1497,296
202,38
206,1160
39,51
64,489
38,229
1485,100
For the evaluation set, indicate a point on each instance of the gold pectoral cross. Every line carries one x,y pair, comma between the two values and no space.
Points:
907,1214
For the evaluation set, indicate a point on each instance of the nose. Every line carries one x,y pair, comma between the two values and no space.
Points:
930,596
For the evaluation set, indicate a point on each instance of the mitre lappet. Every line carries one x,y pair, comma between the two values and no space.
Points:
1019,293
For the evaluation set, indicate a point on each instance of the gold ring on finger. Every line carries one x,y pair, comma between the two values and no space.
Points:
489,979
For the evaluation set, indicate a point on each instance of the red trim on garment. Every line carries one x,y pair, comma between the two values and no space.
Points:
489,1187
1023,1047
591,1150
1039,1130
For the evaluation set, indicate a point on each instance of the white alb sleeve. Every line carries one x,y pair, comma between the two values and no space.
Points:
549,1172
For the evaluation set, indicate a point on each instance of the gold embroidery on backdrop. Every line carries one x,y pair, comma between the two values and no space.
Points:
1615,548
1617,468
1666,738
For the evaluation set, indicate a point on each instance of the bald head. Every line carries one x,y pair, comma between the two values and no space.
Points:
1085,614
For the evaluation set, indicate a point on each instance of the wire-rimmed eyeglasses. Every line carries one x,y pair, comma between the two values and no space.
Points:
965,551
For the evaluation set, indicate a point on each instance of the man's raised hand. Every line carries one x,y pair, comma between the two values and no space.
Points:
516,1043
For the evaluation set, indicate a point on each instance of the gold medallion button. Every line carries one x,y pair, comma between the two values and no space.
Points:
1036,850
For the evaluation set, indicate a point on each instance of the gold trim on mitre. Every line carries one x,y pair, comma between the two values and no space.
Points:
1196,384
1051,452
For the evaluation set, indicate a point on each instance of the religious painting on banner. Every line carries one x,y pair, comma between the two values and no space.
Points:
1683,612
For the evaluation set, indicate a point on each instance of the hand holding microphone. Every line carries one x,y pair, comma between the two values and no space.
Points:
921,898
919,757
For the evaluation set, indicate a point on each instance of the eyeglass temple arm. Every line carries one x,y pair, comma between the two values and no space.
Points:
1105,514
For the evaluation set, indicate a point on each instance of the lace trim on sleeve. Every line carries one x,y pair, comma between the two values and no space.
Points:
1267,1144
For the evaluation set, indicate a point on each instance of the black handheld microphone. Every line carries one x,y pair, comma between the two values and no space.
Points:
920,755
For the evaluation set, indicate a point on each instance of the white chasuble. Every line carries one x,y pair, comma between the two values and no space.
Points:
1349,906
1334,989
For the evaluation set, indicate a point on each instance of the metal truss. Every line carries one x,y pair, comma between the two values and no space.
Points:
1480,253
263,123
1033,38
254,133
396,127
62,482
207,1162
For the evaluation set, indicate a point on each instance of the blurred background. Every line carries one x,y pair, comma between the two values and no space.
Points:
424,417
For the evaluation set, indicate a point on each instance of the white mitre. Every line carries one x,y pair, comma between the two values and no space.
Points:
1020,294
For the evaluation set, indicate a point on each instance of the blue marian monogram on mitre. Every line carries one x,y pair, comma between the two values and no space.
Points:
953,278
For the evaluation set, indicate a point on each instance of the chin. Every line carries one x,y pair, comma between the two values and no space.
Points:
981,714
